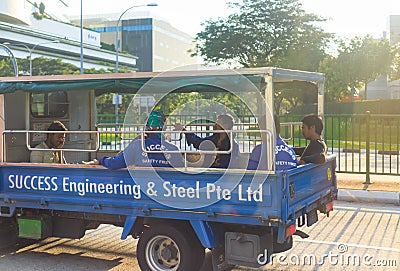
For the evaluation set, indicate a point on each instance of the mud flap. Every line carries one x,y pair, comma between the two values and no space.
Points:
249,250
312,217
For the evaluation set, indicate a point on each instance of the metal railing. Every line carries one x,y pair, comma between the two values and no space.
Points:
28,138
364,143
126,133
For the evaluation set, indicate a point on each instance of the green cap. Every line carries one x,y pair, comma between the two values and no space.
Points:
156,119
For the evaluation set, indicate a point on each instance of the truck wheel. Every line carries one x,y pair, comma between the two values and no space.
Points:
8,232
164,247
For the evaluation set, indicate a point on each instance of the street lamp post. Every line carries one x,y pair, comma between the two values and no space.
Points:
23,45
30,50
81,42
116,31
116,53
33,49
12,57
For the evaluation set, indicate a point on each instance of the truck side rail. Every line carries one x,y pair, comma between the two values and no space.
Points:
291,128
185,152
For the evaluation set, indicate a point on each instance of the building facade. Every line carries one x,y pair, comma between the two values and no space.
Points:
394,38
382,88
394,29
28,37
158,45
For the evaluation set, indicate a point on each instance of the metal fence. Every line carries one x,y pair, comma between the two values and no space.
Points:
364,143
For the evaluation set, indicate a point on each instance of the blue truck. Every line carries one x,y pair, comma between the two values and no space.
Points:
241,216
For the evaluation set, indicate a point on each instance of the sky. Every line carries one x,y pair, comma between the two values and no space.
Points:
346,18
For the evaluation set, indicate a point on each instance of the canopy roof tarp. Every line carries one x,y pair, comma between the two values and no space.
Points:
181,81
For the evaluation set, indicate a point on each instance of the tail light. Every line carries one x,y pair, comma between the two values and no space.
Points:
290,230
329,206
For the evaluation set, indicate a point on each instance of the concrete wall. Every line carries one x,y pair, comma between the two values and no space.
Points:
15,11
67,31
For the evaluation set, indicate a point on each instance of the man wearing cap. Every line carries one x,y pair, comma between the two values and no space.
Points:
217,141
133,155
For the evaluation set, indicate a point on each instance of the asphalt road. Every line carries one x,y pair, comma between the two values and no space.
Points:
357,236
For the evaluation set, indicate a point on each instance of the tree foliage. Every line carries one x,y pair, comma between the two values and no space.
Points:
359,61
6,67
280,33
48,66
40,12
106,46
40,66
264,33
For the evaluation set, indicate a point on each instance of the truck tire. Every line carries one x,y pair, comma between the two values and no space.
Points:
8,232
169,247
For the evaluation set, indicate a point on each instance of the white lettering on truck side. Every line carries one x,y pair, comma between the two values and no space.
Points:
40,183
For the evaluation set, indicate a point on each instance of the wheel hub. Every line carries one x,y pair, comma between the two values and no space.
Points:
163,253
169,252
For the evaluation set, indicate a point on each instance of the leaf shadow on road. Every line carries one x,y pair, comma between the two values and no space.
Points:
58,254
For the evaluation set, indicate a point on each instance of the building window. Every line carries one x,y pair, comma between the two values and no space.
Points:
49,105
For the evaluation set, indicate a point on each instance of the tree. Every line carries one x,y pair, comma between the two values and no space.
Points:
292,95
106,46
46,66
263,33
40,12
6,67
359,61
267,33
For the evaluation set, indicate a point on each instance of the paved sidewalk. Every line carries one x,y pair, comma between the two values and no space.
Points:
384,189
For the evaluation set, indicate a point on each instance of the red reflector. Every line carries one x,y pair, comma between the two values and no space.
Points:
290,230
329,206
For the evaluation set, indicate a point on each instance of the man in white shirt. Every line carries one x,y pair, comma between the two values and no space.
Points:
53,141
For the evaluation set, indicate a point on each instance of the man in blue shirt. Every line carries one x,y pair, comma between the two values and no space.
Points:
133,155
285,157
217,141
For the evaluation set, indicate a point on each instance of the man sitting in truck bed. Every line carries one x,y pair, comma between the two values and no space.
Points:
53,141
311,129
216,141
133,155
285,157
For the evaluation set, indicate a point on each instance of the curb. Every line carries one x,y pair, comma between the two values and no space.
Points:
369,196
